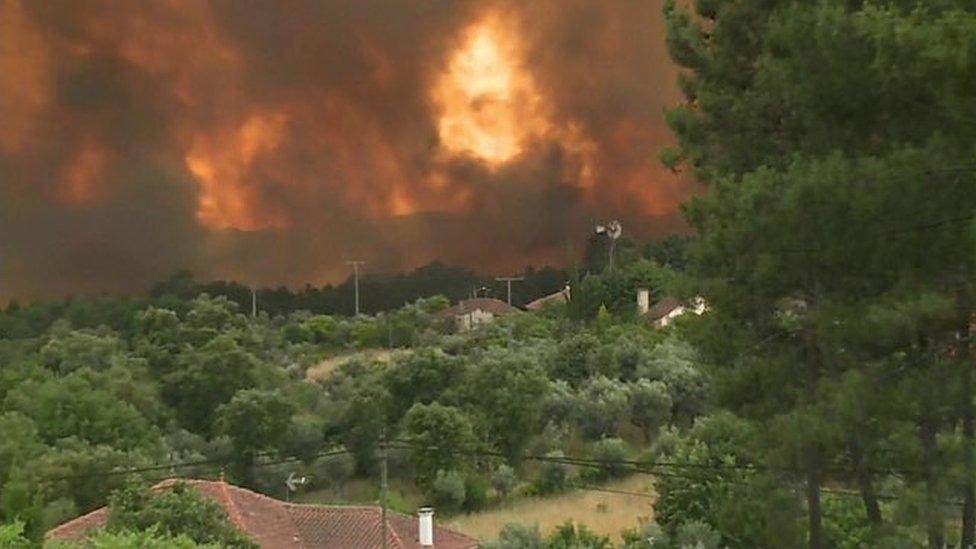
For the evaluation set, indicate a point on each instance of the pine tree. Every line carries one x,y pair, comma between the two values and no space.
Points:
837,144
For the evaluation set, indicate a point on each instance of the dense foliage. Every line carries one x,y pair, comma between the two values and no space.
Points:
95,387
835,245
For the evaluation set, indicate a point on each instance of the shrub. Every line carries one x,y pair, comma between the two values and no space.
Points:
333,471
177,511
517,536
475,494
569,536
552,476
503,480
12,536
611,453
448,489
697,535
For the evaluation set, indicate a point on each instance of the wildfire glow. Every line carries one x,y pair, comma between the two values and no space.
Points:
83,173
488,103
24,85
222,164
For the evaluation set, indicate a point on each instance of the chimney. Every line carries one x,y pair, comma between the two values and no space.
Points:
643,301
426,516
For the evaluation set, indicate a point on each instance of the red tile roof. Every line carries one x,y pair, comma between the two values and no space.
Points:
487,304
562,296
663,307
275,524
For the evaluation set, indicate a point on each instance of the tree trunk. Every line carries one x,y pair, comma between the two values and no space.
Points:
814,470
968,537
865,485
935,525
814,509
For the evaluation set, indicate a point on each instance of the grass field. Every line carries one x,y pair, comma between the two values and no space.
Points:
602,512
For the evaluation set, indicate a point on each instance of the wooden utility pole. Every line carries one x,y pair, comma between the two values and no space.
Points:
355,270
509,280
383,488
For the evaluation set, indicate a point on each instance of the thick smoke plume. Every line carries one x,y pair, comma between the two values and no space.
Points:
270,141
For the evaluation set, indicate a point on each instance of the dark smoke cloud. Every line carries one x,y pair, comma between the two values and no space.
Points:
311,127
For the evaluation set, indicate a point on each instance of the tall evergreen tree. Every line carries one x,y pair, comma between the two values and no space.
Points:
837,143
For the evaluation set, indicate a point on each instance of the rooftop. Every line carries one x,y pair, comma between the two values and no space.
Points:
275,524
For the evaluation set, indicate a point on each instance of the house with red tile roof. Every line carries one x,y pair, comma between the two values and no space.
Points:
470,313
275,524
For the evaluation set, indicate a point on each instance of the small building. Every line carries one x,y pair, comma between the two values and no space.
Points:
471,313
275,524
663,313
544,302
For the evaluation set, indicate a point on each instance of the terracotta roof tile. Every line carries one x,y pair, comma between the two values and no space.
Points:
487,304
275,524
663,307
80,527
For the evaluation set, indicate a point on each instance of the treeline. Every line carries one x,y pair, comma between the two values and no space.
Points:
378,293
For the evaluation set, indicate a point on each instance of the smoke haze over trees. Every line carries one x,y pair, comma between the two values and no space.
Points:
270,143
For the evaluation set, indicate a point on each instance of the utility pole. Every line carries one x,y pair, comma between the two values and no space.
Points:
509,280
355,270
383,487
254,302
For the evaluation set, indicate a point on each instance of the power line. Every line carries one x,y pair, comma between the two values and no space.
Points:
648,467
186,464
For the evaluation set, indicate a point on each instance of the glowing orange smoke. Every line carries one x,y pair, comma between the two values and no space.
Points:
83,173
24,76
488,103
222,163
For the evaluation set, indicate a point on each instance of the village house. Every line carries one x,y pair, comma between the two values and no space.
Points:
275,524
667,309
471,313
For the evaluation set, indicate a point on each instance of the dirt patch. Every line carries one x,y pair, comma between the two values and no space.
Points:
322,370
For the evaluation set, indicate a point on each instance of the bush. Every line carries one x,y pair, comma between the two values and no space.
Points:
180,510
697,535
333,471
649,536
569,536
552,476
475,494
503,480
149,539
846,523
611,453
448,490
517,536
12,536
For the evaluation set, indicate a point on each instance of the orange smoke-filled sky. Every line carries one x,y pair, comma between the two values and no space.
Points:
269,142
